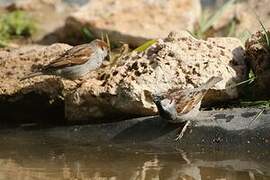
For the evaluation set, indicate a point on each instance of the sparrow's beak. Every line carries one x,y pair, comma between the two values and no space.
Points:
108,57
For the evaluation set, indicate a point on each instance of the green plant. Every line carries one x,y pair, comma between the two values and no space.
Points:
244,35
251,79
87,34
266,38
258,104
266,33
231,28
15,24
207,20
146,45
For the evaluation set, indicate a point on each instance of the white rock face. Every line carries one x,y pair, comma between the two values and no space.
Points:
135,21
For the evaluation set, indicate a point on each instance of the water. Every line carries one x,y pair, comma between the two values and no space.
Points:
42,154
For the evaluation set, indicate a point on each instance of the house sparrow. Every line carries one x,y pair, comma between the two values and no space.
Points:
179,105
76,62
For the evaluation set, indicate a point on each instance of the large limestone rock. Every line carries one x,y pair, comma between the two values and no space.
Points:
134,21
125,89
178,61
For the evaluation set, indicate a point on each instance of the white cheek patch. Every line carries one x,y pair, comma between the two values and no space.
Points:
167,104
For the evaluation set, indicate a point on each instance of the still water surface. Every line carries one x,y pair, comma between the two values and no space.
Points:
38,155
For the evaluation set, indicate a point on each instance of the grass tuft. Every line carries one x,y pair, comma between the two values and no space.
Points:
207,21
87,34
266,39
266,34
146,45
15,24
259,104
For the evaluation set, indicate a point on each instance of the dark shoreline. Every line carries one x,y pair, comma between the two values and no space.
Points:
234,128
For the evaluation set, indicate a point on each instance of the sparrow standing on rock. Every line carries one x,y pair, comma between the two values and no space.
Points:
76,62
178,105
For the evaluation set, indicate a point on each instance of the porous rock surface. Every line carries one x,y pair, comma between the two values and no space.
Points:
178,61
16,63
124,90
134,21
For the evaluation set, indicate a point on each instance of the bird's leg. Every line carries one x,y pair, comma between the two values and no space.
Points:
167,110
181,134
170,112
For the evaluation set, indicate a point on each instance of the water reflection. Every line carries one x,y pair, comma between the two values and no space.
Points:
35,156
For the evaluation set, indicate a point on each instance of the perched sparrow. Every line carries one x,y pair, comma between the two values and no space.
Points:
178,105
76,61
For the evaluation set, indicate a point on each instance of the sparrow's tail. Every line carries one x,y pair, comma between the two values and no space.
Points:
210,83
31,75
199,93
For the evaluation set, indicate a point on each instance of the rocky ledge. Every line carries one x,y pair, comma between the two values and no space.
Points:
124,90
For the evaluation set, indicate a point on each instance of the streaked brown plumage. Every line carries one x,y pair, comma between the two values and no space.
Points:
182,105
178,105
76,61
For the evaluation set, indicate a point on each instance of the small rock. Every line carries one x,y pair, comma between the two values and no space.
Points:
258,55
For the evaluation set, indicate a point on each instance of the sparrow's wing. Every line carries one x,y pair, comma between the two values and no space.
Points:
186,100
210,83
75,56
